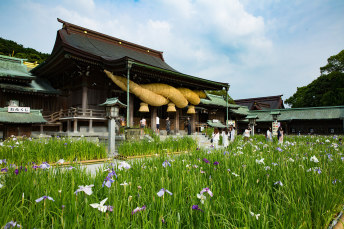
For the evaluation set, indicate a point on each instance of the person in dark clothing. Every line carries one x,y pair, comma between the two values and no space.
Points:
188,125
168,126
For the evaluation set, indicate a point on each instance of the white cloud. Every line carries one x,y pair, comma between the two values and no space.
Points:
258,51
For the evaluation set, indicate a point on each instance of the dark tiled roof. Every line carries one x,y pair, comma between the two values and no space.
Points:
262,103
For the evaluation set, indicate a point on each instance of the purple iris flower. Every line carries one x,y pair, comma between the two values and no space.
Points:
279,149
16,171
318,170
278,183
195,207
207,190
35,166
11,224
166,163
5,170
44,198
138,209
205,160
162,192
3,161
110,208
108,180
216,163
44,165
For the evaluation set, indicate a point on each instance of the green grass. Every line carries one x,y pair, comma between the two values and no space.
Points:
307,199
50,150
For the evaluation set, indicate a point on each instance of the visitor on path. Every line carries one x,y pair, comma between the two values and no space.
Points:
216,138
280,135
168,126
247,134
157,125
269,135
232,133
143,124
188,125
225,137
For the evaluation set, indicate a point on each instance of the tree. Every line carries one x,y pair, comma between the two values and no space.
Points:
326,90
8,47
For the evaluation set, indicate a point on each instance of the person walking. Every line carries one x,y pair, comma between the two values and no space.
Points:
232,133
225,138
269,135
216,138
188,125
280,135
168,126
157,125
143,124
247,134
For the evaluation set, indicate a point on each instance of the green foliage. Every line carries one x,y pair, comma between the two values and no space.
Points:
50,150
209,132
326,90
8,47
239,184
223,94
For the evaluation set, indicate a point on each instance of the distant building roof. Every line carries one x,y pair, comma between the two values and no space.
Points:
217,100
262,103
307,113
13,68
35,116
14,76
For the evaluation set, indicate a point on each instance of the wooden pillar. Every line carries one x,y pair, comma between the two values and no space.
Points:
41,129
193,123
68,125
60,128
75,125
153,118
90,126
131,110
84,95
176,122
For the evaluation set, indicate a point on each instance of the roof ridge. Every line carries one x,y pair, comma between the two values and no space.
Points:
67,26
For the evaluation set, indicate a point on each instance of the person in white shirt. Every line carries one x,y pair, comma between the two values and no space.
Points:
247,133
216,138
232,133
225,138
269,135
143,123
157,124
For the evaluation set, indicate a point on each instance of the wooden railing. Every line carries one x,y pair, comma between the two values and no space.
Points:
74,112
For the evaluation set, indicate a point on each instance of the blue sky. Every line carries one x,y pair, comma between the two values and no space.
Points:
261,48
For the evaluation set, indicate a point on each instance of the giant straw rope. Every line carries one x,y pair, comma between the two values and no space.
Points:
158,94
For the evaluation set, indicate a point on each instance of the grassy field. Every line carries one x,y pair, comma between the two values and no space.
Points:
51,150
251,184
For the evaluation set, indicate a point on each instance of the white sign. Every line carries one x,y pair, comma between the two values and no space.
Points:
275,126
19,109
231,123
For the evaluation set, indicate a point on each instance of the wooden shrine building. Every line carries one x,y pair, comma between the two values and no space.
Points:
76,67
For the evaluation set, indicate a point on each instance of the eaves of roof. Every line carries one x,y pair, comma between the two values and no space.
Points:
35,116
